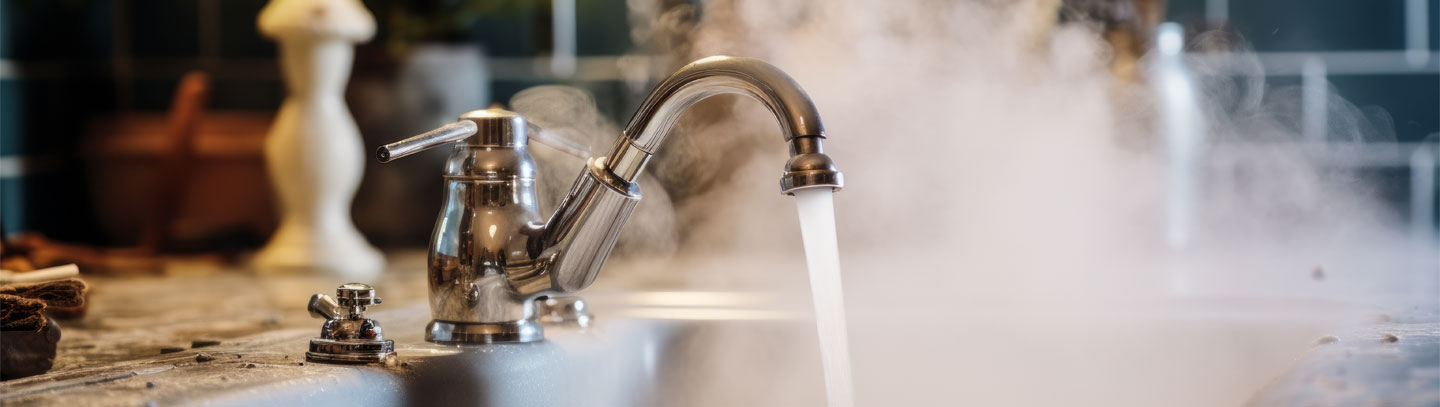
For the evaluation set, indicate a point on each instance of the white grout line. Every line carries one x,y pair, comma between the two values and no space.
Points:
1417,32
1218,10
562,34
12,167
1422,193
1315,100
1395,62
1333,154
8,69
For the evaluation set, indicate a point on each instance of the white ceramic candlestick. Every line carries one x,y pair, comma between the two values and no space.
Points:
314,152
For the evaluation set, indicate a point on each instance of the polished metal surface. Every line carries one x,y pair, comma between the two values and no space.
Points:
810,170
798,118
719,75
497,128
449,133
479,248
324,307
579,236
347,336
492,255
447,332
352,294
343,352
564,310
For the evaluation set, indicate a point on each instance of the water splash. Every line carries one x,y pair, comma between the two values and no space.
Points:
822,257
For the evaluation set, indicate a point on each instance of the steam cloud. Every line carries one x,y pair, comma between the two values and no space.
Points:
997,171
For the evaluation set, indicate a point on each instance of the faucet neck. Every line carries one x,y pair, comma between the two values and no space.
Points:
707,77
578,237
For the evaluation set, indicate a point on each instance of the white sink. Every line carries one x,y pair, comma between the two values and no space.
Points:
727,349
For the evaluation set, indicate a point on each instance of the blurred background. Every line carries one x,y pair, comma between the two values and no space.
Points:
85,87
1065,192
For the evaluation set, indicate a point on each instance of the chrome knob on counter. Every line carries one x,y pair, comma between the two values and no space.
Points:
347,336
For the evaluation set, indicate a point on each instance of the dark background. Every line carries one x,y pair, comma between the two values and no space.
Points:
63,61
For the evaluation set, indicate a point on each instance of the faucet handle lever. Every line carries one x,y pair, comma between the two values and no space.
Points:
324,307
445,134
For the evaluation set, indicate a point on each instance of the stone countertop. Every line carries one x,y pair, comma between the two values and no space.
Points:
1395,362
201,334
180,338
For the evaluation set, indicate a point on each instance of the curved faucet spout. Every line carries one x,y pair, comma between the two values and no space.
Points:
798,118
576,240
718,75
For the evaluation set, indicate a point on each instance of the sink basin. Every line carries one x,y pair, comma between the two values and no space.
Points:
952,342
1174,352
726,349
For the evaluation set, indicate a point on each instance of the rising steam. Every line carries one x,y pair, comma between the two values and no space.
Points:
997,169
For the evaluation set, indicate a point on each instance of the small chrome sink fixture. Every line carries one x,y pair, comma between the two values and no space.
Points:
347,336
492,255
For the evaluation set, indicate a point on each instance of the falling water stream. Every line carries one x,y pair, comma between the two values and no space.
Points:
822,256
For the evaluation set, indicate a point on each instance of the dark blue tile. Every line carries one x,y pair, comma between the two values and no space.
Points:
519,30
1308,25
1434,25
1413,101
11,118
12,206
602,27
1185,11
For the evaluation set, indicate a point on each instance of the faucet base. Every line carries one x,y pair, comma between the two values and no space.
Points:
448,332
354,351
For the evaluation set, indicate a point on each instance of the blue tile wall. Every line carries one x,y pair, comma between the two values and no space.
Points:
602,27
1413,101
1309,25
1299,25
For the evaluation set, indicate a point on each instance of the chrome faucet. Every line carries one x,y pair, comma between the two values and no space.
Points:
492,256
